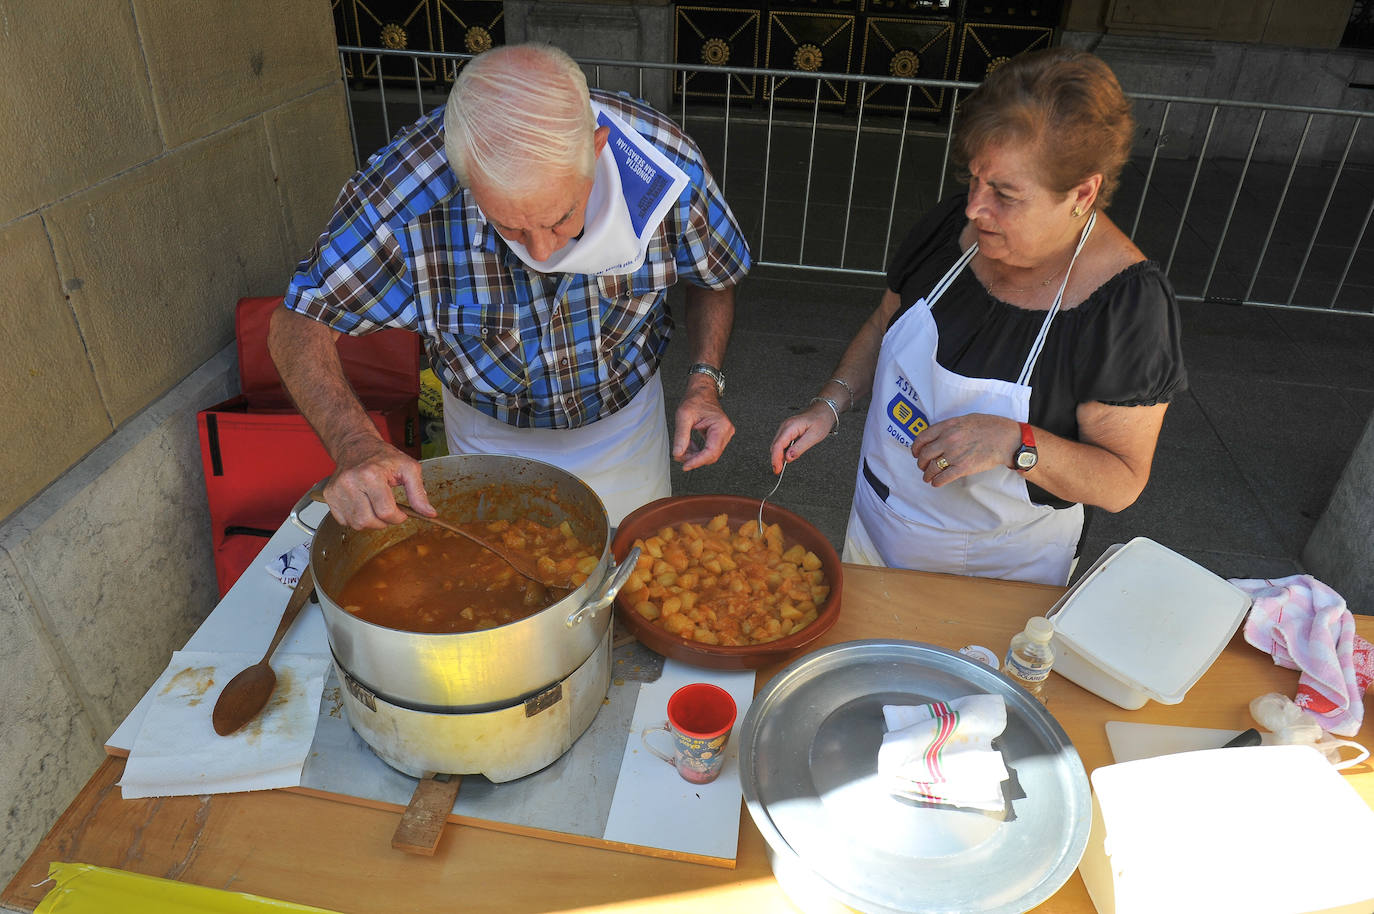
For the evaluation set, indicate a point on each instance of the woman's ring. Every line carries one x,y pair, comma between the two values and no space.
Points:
941,463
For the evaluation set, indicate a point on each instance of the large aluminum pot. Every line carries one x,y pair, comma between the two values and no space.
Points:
483,670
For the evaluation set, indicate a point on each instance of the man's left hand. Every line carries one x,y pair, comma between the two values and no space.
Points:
700,412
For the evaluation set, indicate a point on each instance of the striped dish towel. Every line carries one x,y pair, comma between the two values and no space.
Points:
942,753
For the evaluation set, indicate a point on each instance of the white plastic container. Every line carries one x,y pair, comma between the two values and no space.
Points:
1144,623
1263,830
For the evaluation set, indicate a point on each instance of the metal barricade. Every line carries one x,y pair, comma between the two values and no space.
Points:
828,173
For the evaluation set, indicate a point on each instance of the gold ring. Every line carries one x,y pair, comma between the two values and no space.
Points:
941,463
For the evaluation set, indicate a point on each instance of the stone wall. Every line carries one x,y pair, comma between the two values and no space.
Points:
159,161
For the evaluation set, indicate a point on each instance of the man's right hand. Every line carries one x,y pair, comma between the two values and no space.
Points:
360,493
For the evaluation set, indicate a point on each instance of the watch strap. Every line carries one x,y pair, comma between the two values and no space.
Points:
712,372
1026,456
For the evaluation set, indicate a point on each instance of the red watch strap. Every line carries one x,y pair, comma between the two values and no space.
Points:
1027,434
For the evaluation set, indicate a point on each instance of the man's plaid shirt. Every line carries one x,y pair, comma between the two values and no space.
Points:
407,247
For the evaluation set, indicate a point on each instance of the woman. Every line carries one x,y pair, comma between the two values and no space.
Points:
1022,359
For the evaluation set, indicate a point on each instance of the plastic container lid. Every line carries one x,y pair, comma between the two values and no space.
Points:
1204,831
1150,617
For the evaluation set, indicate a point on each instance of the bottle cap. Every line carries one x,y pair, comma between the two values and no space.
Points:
980,653
1038,628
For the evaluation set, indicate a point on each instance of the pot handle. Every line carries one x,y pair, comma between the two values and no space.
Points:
616,581
312,495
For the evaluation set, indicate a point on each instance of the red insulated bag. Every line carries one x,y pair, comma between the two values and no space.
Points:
259,453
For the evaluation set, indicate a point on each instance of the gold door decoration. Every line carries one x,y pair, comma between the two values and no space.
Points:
810,42
906,49
716,37
468,27
404,26
420,26
984,47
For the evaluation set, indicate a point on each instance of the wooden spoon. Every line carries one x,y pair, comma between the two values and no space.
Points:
247,693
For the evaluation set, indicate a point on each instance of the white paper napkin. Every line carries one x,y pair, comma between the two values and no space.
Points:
177,751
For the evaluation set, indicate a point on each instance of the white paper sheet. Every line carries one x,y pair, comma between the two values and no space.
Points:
176,751
653,805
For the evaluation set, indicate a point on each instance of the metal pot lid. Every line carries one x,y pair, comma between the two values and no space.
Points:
808,767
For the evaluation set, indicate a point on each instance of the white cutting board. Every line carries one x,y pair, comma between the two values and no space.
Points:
1131,741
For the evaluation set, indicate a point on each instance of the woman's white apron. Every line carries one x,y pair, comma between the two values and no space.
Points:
983,525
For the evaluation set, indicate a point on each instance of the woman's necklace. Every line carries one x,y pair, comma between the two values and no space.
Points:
1004,287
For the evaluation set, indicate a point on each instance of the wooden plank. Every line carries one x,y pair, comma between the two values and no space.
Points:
422,824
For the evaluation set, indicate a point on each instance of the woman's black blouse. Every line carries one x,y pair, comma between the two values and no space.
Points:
1120,347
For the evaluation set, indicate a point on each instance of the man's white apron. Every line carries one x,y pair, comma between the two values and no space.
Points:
623,456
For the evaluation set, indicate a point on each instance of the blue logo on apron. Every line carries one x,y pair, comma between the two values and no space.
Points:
907,419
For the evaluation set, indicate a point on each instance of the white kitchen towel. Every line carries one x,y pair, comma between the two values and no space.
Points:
1305,625
177,751
942,752
288,566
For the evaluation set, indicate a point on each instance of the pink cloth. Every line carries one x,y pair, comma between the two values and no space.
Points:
1306,626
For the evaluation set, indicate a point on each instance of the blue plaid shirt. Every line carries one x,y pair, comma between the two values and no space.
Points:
407,247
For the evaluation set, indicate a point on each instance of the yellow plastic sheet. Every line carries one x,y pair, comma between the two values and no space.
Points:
85,889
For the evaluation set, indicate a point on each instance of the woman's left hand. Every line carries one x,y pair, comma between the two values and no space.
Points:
965,445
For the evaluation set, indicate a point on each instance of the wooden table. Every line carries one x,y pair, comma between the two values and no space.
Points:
338,856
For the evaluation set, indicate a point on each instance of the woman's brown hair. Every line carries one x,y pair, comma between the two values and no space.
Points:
1064,102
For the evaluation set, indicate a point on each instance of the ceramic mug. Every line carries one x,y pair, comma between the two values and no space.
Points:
700,716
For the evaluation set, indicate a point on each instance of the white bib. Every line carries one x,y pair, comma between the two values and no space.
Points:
633,188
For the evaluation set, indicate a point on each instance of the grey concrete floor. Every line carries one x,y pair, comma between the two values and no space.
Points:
1246,461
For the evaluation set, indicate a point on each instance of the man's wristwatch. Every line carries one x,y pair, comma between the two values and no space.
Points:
1026,455
712,372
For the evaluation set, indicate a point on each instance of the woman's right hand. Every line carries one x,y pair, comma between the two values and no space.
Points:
798,434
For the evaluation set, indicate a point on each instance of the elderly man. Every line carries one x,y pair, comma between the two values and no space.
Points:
529,231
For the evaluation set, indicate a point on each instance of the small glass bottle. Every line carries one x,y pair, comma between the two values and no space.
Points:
1031,655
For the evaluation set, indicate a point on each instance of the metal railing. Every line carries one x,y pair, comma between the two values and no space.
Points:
822,177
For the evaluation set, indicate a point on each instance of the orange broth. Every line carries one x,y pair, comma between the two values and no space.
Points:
438,582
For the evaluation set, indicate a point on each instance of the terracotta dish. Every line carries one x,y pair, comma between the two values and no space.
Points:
669,512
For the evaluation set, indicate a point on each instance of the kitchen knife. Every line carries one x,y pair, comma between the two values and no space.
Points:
1250,737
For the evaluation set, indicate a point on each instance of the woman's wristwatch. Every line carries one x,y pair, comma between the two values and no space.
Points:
1026,456
712,372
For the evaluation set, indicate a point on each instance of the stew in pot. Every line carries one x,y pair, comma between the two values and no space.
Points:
438,582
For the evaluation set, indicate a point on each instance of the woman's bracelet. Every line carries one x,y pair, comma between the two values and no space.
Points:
834,408
847,389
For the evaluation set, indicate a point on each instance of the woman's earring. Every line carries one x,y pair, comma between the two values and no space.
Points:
1077,211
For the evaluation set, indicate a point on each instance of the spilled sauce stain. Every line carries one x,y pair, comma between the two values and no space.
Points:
274,719
191,683
333,700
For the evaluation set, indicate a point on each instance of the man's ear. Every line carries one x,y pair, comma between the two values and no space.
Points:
599,137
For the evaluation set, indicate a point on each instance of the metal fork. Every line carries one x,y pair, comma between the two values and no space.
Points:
770,495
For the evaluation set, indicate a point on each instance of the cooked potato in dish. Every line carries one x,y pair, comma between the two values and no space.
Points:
710,584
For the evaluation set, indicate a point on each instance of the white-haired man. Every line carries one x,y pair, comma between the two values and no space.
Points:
529,231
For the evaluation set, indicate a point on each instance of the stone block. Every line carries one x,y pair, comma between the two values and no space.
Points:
313,154
51,412
630,31
155,259
80,109
215,62
49,747
1339,549
116,554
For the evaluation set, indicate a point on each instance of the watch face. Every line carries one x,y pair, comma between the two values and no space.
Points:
1026,459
